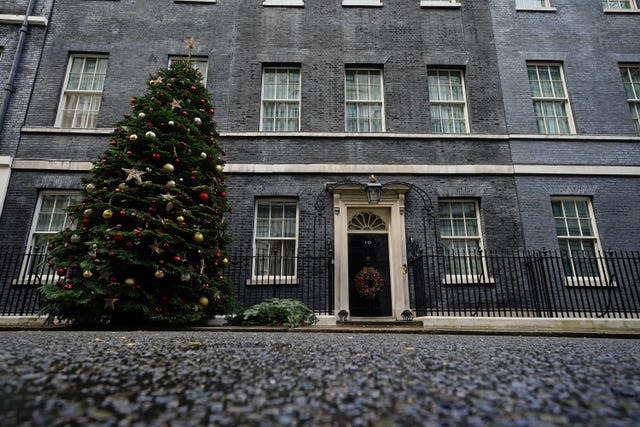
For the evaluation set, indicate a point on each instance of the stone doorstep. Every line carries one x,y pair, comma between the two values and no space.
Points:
451,324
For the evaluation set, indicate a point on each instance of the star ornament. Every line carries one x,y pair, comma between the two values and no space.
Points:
110,303
176,104
155,247
134,174
191,43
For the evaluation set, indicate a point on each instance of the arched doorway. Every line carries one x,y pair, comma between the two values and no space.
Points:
376,231
368,252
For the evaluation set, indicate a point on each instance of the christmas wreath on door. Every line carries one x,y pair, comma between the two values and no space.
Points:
369,283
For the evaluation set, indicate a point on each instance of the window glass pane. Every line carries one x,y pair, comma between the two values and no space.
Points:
445,227
456,210
561,227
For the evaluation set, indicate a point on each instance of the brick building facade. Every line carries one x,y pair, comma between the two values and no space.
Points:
435,98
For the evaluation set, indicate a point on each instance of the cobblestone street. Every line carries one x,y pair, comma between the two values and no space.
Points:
55,378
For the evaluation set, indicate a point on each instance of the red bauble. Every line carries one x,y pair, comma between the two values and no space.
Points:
129,245
185,113
203,101
86,221
60,271
118,236
193,88
155,156
151,210
177,259
97,261
123,213
114,142
203,196
133,100
223,194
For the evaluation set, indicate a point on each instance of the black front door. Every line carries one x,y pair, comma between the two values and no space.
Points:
369,278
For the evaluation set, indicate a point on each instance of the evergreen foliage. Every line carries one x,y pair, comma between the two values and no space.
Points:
287,312
149,245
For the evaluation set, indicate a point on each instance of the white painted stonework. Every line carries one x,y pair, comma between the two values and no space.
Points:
349,200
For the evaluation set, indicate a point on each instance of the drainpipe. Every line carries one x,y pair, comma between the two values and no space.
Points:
17,58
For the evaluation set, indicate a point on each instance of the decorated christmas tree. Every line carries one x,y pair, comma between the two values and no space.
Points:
149,245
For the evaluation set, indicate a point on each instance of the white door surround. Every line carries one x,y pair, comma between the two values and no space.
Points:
350,199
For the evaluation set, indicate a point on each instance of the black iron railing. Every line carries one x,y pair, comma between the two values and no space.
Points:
307,277
527,284
494,284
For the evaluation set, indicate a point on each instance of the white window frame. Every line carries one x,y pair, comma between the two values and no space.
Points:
462,102
264,101
574,280
440,3
194,1
66,92
26,275
527,6
632,92
283,3
362,3
274,279
194,60
368,101
555,99
607,6
481,277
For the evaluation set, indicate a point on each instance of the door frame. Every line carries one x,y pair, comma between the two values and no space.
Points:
348,197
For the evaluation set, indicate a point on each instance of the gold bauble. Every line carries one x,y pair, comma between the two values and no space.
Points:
219,169
225,261
198,237
150,134
107,213
141,115
203,155
130,281
87,213
168,168
133,137
159,274
87,274
90,187
180,219
122,186
204,301
75,238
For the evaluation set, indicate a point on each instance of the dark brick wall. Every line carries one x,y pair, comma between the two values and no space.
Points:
590,43
239,36
18,210
26,72
615,203
495,194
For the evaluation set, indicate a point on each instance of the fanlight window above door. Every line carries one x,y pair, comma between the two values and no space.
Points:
367,221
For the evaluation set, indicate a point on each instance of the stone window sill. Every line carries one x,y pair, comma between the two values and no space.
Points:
440,4
283,3
362,3
536,9
621,10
